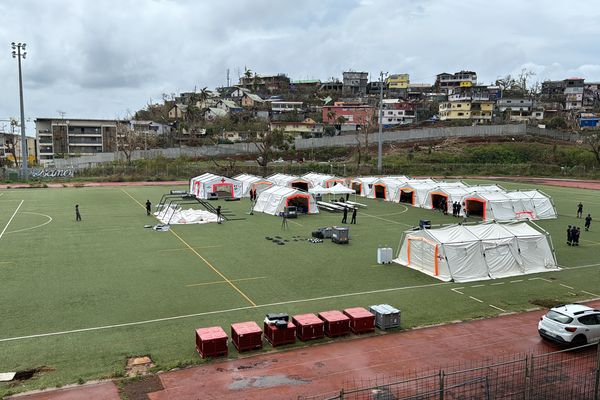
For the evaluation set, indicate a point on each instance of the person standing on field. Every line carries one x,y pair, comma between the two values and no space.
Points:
588,222
353,220
77,214
148,207
579,210
345,217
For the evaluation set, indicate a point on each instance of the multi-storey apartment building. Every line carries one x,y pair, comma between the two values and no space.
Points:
397,112
446,81
58,137
519,109
348,113
397,81
355,82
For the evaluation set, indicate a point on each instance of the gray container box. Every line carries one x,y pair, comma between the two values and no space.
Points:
386,316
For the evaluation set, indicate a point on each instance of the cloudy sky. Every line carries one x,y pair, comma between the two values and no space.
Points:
105,58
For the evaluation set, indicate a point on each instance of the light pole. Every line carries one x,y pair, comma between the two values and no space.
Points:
379,144
17,53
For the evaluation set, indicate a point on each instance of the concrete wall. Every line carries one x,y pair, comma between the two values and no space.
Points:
410,135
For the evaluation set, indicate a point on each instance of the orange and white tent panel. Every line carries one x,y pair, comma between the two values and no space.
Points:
274,200
202,185
462,253
250,182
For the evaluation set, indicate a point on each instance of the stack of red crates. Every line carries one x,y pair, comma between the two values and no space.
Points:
246,336
336,323
308,327
278,336
361,320
211,342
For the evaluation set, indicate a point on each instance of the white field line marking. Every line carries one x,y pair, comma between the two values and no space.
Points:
384,219
567,286
497,283
497,308
294,222
33,227
232,280
517,281
477,286
591,294
581,266
456,290
476,299
11,218
541,279
572,294
281,303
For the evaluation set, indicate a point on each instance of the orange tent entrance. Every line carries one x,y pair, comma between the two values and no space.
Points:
407,196
358,187
301,185
437,201
300,201
380,191
475,207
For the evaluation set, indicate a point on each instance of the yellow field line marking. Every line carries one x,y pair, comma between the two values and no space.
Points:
199,247
11,218
7,262
233,280
294,222
199,256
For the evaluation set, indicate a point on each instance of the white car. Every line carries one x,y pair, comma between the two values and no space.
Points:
574,324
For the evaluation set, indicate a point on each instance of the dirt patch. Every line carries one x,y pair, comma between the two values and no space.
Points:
27,374
137,366
139,389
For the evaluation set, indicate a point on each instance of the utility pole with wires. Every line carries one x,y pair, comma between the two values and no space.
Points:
380,122
20,53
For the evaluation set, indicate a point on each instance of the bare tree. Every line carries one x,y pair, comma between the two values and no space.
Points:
128,140
267,143
592,141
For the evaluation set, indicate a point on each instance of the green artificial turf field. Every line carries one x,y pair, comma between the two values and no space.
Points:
81,297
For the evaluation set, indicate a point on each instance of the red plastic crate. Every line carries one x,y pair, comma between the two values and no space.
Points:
246,336
361,319
308,327
211,342
278,336
336,323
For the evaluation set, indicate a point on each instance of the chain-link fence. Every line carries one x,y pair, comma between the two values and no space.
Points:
568,374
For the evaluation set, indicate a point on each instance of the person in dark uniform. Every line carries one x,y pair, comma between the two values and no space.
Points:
588,222
218,214
353,220
576,233
345,217
77,214
579,210
148,207
458,209
569,235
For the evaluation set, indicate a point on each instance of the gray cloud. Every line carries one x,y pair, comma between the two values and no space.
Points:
101,58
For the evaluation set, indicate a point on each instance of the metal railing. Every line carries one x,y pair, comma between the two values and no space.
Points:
568,374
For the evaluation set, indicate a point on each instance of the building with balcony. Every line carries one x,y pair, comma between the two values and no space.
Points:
286,106
397,81
518,109
478,111
446,81
308,127
10,148
355,83
397,112
341,113
60,138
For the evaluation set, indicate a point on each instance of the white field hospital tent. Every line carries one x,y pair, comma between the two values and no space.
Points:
202,185
274,200
506,206
386,188
434,197
415,192
290,181
323,180
534,203
462,253
363,184
250,182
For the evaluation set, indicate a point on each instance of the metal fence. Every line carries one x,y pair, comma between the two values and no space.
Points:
568,374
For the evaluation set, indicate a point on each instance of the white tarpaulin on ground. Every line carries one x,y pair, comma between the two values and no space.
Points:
177,215
274,200
464,253
202,185
250,182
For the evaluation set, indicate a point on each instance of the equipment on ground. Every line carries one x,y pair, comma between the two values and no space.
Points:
424,224
212,196
385,255
290,212
340,235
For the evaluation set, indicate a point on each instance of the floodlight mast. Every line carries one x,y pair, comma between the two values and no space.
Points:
18,53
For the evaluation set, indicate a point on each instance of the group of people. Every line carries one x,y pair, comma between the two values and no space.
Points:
253,194
456,207
345,217
573,233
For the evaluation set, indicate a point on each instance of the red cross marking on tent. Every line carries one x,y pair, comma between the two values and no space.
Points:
222,180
